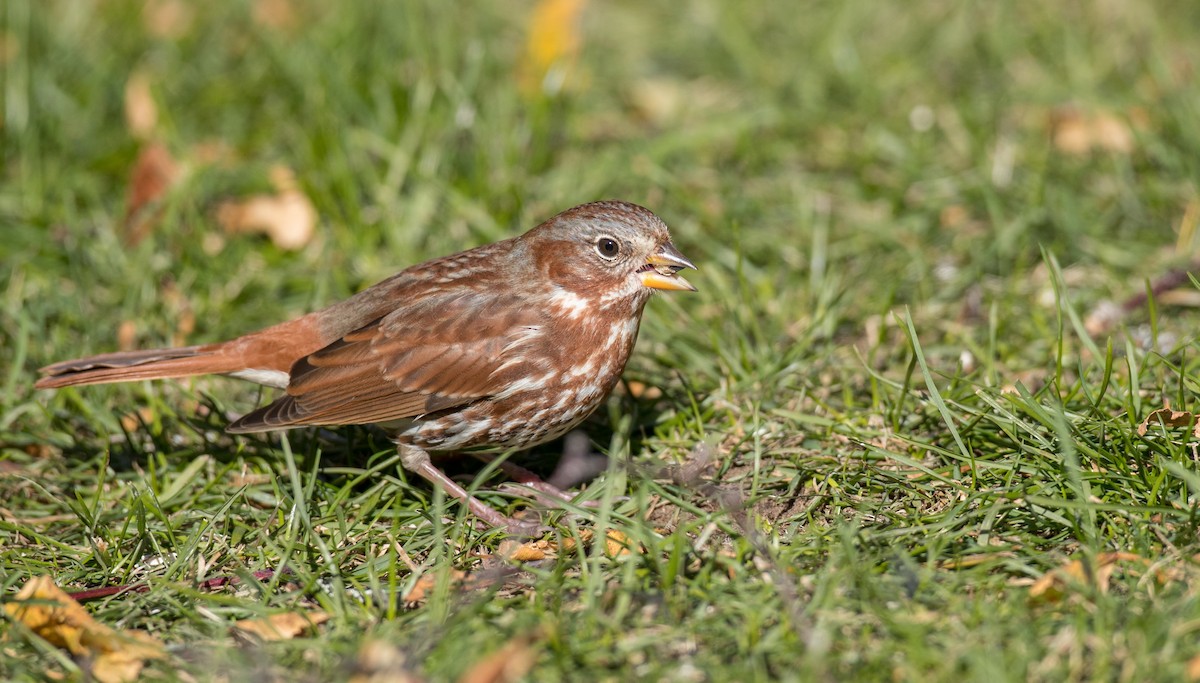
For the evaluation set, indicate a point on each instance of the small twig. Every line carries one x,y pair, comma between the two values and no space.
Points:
142,586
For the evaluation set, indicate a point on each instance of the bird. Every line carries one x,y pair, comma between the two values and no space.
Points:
511,344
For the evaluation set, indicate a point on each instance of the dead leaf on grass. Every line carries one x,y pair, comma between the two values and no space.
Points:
154,173
1168,417
282,626
382,662
126,335
141,111
287,217
616,544
1056,584
169,19
275,14
642,391
131,422
1193,669
508,664
1076,131
552,47
424,585
52,615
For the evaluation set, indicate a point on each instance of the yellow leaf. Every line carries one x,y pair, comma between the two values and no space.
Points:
426,584
287,217
141,112
1077,132
53,616
552,46
616,544
282,626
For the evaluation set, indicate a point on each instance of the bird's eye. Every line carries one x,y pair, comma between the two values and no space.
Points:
607,247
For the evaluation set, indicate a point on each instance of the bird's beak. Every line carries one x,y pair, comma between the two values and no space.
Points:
661,268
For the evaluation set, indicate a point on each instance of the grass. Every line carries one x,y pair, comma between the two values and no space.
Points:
881,433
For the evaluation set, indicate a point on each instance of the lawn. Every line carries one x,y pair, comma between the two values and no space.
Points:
905,430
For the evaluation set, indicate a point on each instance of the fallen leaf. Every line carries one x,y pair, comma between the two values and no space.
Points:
169,19
52,615
382,662
1168,417
658,100
154,173
240,479
552,47
643,391
275,14
616,543
141,111
531,551
40,450
1054,585
1111,133
287,217
506,665
1193,669
424,585
1078,132
126,335
282,626
663,102
953,216
131,422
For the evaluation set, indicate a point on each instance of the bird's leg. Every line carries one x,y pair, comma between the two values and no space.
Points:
417,461
525,477
576,465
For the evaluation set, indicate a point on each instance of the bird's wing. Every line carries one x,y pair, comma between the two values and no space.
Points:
446,351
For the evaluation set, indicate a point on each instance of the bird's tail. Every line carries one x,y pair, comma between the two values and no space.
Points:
128,366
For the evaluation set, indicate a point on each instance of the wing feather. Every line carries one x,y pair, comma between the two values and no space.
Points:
393,369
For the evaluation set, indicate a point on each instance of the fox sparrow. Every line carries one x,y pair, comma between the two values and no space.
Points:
510,344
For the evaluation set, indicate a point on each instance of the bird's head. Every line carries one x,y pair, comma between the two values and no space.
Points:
608,251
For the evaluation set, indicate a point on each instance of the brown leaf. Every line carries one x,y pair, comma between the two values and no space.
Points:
1077,132
282,626
52,615
531,551
506,665
421,589
131,422
1193,669
643,391
616,543
1168,417
1054,585
382,662
275,14
954,216
169,19
126,335
154,173
287,217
